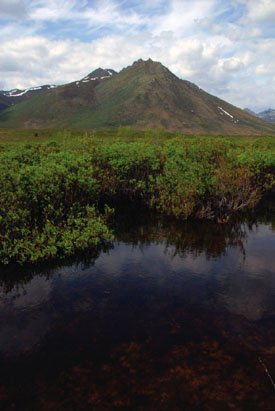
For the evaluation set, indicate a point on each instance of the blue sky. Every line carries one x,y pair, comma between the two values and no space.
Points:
226,47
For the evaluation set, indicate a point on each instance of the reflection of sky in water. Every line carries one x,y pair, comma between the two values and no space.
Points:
240,284
23,320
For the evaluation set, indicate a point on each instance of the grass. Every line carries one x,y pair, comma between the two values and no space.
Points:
73,138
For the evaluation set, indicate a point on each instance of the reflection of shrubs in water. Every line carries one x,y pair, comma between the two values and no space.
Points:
15,276
212,239
190,236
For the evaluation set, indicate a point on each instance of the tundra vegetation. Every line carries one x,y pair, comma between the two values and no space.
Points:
58,189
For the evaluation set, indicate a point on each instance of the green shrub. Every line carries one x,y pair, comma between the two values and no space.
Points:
53,195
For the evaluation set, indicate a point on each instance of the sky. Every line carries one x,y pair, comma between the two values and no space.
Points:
226,47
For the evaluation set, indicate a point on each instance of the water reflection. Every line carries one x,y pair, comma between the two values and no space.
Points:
195,237
229,265
174,312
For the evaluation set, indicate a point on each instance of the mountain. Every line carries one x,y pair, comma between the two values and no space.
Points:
4,102
268,115
28,92
247,110
53,106
145,94
99,74
14,96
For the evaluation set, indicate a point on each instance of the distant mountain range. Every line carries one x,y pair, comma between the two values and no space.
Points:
267,115
145,94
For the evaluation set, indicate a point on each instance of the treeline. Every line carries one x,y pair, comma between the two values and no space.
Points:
55,201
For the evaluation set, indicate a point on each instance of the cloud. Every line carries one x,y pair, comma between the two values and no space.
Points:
12,9
52,10
226,49
104,13
260,11
233,64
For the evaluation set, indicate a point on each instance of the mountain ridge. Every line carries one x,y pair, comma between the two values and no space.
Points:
13,96
267,115
144,94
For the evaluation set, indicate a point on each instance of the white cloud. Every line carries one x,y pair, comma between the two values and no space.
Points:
232,64
102,13
183,16
52,9
260,11
62,40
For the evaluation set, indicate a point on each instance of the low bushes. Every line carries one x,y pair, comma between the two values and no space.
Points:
53,199
48,205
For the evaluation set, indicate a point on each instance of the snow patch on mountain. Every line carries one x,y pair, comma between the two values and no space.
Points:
225,112
19,93
98,74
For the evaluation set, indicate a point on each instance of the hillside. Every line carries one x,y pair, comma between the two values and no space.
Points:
145,94
4,103
15,96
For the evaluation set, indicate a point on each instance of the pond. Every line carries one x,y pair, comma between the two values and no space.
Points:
175,316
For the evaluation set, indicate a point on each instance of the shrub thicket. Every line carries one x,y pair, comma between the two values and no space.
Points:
53,198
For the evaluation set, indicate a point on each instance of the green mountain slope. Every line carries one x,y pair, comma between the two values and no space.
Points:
4,103
143,95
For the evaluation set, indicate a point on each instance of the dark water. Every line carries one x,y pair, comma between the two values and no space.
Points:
174,317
